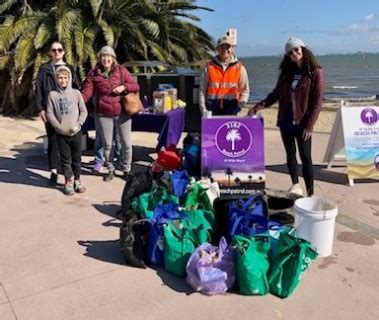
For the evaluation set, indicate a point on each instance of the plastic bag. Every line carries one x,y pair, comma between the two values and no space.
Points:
180,180
211,269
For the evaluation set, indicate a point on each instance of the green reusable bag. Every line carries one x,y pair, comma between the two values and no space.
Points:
147,202
197,198
201,217
252,264
180,241
293,257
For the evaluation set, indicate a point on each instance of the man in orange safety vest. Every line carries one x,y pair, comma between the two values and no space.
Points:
224,86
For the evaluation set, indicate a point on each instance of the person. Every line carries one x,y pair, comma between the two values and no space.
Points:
45,83
224,85
108,81
300,91
99,152
66,112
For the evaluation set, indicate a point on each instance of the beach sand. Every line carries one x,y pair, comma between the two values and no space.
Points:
32,129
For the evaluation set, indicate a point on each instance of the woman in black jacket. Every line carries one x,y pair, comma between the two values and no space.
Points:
44,84
300,91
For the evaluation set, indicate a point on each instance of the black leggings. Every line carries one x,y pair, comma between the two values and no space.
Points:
289,137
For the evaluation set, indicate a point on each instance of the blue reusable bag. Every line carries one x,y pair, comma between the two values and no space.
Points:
180,180
245,211
163,214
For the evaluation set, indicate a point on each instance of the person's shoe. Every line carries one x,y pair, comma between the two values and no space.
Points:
296,189
79,187
53,178
109,176
68,189
97,167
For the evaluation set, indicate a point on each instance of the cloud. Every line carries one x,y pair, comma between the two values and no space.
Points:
367,24
369,17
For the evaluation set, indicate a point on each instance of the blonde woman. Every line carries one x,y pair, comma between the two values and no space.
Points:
107,82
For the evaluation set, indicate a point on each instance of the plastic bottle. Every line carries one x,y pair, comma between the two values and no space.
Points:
145,103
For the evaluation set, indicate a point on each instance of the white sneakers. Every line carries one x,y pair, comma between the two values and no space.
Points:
296,189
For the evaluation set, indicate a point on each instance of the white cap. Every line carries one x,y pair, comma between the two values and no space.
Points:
293,42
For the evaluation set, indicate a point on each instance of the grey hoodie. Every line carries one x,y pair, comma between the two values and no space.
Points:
66,110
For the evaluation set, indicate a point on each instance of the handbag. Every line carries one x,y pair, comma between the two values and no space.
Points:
132,103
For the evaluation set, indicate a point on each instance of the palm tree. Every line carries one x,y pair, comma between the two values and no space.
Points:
250,178
233,135
229,173
237,181
144,29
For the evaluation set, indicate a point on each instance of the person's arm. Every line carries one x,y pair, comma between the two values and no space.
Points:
244,87
129,83
39,97
87,88
203,87
83,113
75,78
50,115
316,96
271,98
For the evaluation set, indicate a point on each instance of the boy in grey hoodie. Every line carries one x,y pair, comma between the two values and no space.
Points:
66,112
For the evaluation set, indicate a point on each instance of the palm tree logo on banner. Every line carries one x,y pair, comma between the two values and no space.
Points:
233,135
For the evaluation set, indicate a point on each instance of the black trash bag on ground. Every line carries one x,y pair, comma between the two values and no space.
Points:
133,241
134,231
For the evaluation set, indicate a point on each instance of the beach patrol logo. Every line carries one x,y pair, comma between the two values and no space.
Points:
233,139
369,116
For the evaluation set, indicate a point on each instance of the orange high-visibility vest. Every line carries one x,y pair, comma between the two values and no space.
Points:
223,85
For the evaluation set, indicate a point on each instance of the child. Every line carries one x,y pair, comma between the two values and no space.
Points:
67,112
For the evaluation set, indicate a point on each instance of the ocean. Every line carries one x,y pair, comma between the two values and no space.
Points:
348,76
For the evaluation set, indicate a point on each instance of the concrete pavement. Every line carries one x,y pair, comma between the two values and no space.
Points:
60,257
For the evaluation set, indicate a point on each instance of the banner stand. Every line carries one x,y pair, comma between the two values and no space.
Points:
335,151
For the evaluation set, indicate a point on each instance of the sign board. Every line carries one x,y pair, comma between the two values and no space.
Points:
232,153
361,134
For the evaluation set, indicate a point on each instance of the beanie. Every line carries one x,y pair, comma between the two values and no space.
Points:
107,50
293,43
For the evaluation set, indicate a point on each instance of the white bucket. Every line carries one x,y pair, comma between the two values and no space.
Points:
315,221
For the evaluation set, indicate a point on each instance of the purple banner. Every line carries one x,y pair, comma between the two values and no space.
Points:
232,153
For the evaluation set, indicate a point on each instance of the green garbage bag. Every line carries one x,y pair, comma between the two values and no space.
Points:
180,241
252,263
147,202
292,258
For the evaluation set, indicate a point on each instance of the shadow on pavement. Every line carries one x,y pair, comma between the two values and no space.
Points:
103,250
320,173
172,281
16,169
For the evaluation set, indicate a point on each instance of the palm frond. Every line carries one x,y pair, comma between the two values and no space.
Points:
5,5
67,23
107,32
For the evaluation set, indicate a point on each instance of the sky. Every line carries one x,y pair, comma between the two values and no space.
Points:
263,27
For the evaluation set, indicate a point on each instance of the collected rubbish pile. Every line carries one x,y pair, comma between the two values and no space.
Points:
246,245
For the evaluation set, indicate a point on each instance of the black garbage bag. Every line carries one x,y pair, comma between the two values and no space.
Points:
133,241
134,230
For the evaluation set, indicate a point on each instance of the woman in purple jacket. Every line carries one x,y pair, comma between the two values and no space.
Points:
107,82
300,91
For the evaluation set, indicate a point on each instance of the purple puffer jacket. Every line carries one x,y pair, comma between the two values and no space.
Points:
108,103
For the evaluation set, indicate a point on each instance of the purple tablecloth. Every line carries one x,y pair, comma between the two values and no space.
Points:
169,125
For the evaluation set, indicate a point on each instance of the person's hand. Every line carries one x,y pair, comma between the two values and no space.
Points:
42,115
307,134
255,108
119,89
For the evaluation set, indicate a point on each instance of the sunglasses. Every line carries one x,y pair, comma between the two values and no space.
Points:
57,50
297,50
